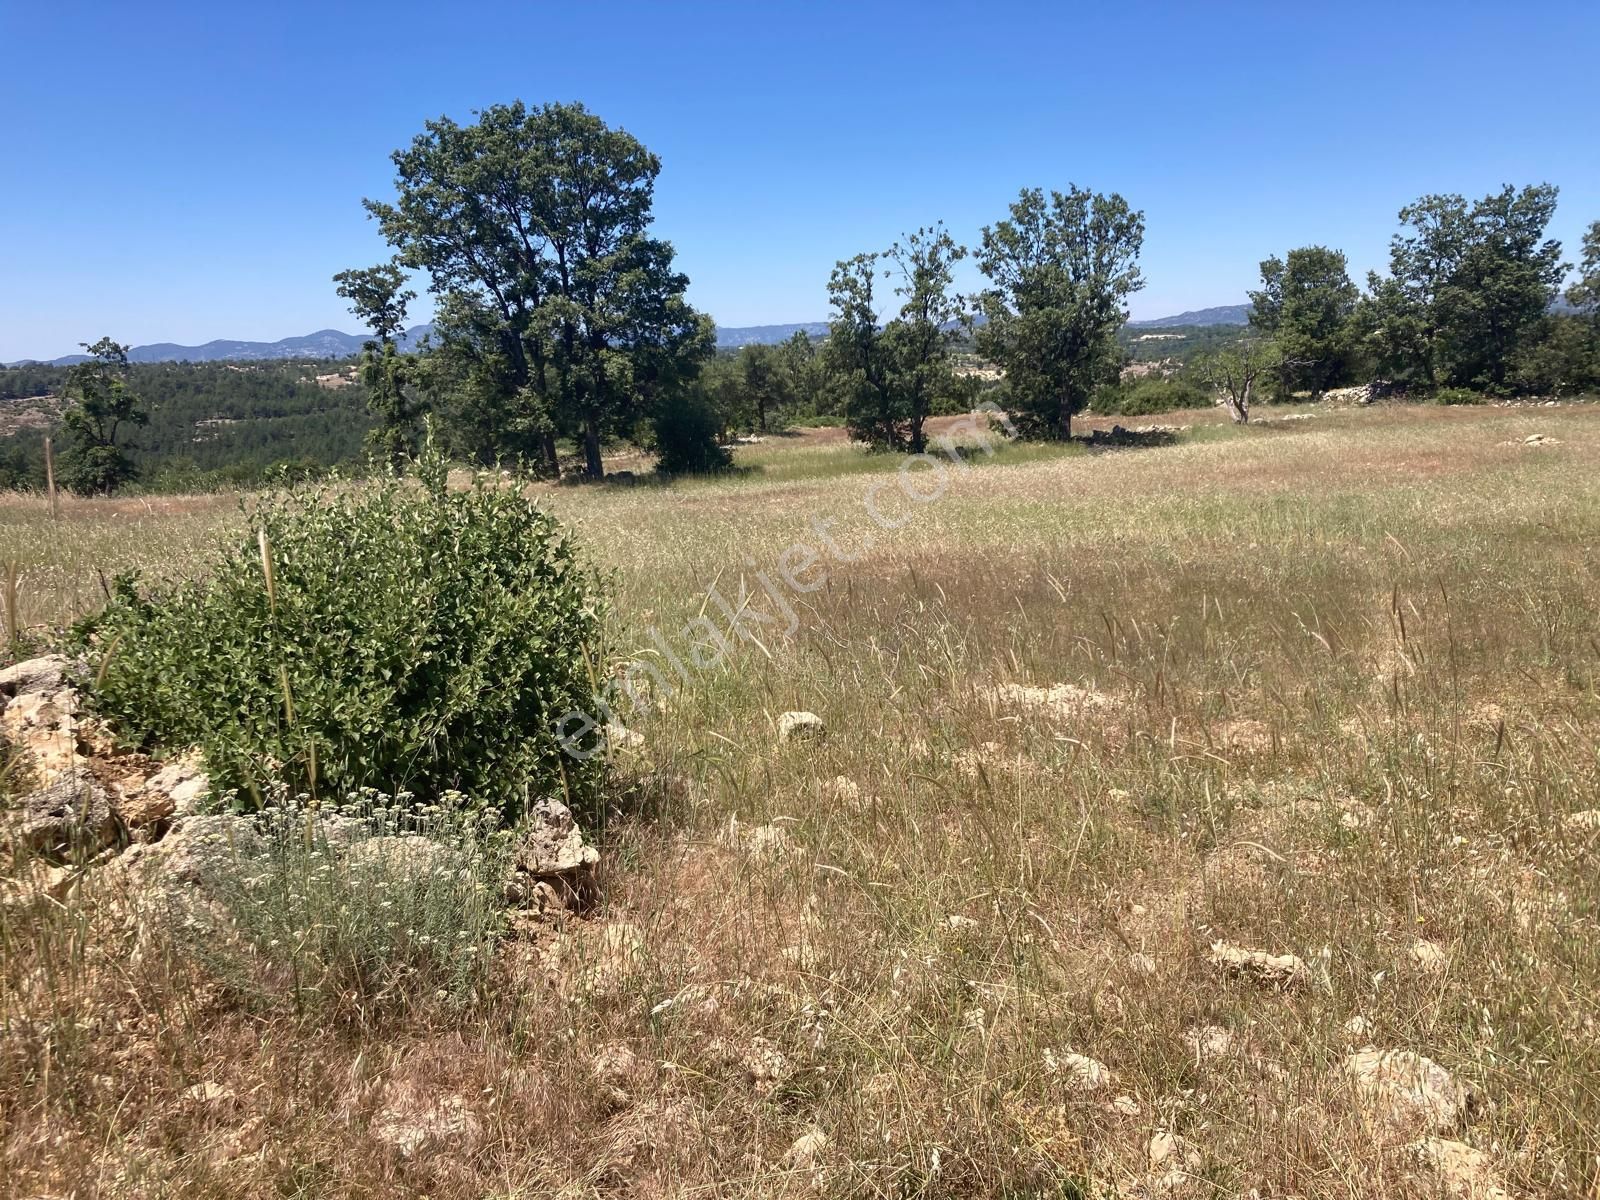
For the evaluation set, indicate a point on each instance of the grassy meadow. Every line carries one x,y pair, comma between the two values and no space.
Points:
1334,692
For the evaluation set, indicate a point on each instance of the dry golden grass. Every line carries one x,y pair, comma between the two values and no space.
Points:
1333,693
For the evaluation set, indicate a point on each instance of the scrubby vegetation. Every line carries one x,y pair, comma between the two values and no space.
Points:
1147,396
398,637
386,908
1198,810
1331,693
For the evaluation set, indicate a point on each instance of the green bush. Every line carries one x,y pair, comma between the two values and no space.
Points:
1150,395
390,636
1458,395
686,438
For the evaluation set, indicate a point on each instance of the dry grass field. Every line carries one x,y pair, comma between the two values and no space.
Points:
1096,722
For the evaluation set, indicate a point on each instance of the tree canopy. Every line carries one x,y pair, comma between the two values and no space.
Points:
1468,290
378,296
1305,305
1060,270
562,312
95,462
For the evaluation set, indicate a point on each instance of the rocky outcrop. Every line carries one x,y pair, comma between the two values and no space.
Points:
38,718
1282,971
67,820
800,726
1406,1092
553,867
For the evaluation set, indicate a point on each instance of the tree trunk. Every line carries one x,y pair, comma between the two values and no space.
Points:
1064,421
592,466
1241,407
547,451
919,443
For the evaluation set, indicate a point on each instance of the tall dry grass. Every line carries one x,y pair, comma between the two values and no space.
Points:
1335,696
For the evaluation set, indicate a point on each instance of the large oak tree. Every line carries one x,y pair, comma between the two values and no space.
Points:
533,224
1468,288
1061,269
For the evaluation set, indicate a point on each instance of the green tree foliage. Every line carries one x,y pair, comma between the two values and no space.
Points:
94,462
889,377
688,436
1060,271
560,309
763,380
378,297
923,266
1151,395
858,354
211,424
1584,295
1306,305
1468,289
391,637
806,372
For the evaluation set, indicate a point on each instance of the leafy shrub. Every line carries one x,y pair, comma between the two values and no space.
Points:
1458,395
390,636
1150,395
363,913
686,438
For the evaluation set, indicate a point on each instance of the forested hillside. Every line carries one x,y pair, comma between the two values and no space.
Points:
211,424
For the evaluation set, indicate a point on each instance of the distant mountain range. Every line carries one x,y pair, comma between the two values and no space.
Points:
331,343
325,343
766,335
1223,314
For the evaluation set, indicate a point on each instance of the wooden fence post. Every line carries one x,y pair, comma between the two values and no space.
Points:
50,477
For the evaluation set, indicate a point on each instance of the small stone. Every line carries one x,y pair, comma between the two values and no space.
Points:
1582,824
1428,957
199,850
620,737
33,888
136,808
957,922
1358,1027
768,842
805,1154
1168,1151
765,1066
1142,964
407,856
1466,1173
413,1125
33,675
183,782
1208,1041
552,856
842,789
800,726
1277,970
1407,1091
209,1092
1057,700
1124,1106
1078,1072
68,818
614,1069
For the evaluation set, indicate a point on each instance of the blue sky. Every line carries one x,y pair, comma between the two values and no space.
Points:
181,172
